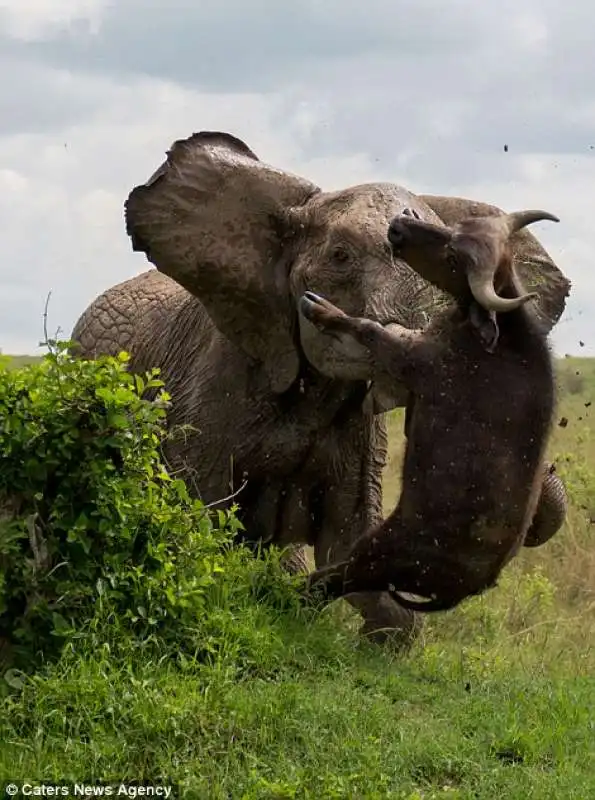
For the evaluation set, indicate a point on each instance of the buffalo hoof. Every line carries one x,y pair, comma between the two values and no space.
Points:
551,510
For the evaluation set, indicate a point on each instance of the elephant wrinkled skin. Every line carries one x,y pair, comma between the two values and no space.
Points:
236,242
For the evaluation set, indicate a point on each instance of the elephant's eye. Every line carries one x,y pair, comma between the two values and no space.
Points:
340,254
451,259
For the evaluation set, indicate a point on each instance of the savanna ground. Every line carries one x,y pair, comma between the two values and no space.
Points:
497,699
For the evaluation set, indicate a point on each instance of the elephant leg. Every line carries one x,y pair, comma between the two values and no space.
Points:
295,560
384,619
352,505
551,510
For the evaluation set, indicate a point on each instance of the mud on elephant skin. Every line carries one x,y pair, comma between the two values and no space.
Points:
474,481
236,242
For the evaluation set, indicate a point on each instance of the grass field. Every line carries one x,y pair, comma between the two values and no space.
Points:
497,699
14,362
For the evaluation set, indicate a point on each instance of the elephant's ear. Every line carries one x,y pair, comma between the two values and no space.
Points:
533,264
213,217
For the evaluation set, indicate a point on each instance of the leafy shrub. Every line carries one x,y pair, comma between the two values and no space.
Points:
93,529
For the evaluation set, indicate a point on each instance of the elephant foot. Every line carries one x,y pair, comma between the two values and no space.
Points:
385,622
551,510
5,654
294,560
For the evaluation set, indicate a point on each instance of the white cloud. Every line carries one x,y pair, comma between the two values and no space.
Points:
95,92
63,193
531,29
31,20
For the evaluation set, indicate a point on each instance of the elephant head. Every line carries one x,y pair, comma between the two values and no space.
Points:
248,239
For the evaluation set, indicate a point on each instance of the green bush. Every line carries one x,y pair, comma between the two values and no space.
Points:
96,538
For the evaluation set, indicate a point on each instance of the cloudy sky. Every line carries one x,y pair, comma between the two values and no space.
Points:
421,92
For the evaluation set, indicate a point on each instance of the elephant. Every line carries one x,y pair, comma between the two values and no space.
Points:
236,242
482,380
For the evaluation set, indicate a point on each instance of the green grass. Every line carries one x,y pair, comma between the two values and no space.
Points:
497,699
370,726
